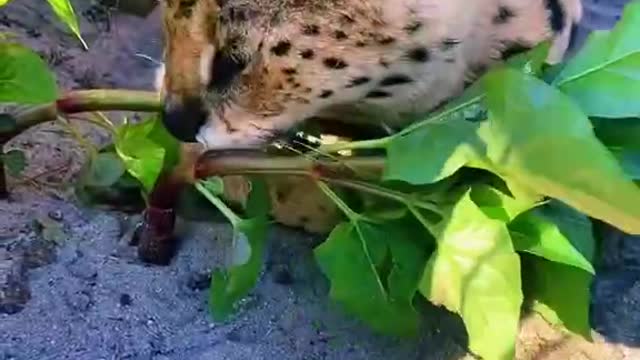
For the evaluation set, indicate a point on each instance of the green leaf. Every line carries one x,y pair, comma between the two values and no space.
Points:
161,137
8,123
146,150
259,201
244,263
230,286
475,272
351,257
498,205
15,162
532,61
622,137
437,147
64,11
434,152
630,162
560,293
604,77
4,2
24,76
538,137
214,185
618,134
534,233
106,169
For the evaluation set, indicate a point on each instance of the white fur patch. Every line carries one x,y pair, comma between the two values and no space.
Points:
213,138
206,58
159,78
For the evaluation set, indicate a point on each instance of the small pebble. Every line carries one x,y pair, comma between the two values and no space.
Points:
56,215
282,275
125,300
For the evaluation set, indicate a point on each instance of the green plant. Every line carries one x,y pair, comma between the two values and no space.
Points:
64,11
484,207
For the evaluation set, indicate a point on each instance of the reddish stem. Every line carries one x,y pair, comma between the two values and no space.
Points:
157,242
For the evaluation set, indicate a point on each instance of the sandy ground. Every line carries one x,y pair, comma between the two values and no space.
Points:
83,294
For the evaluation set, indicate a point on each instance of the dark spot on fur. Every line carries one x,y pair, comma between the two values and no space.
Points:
396,79
378,94
185,9
513,48
281,196
384,63
326,93
358,81
311,29
448,44
413,27
503,16
281,48
360,43
556,16
384,39
289,71
334,63
307,54
307,90
419,54
340,35
347,19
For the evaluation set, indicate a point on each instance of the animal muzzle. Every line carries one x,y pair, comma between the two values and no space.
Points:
183,117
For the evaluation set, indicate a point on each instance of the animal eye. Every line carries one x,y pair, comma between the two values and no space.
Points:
224,68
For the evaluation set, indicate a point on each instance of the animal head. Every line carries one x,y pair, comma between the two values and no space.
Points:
239,72
209,51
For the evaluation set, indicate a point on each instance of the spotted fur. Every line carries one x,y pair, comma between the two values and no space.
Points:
240,72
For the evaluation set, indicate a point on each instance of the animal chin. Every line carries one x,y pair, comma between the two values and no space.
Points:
215,138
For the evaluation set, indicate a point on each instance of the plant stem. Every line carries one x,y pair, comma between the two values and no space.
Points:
355,145
245,163
87,101
105,100
218,203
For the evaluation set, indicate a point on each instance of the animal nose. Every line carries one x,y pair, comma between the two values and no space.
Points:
183,119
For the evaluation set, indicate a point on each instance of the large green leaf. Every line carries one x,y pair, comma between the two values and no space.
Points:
4,2
434,152
538,137
438,146
534,233
24,76
475,272
604,77
351,258
560,293
64,10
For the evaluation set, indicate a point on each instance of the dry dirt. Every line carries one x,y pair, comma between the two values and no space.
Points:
84,294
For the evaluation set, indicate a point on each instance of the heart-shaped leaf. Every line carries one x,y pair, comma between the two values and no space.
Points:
24,76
